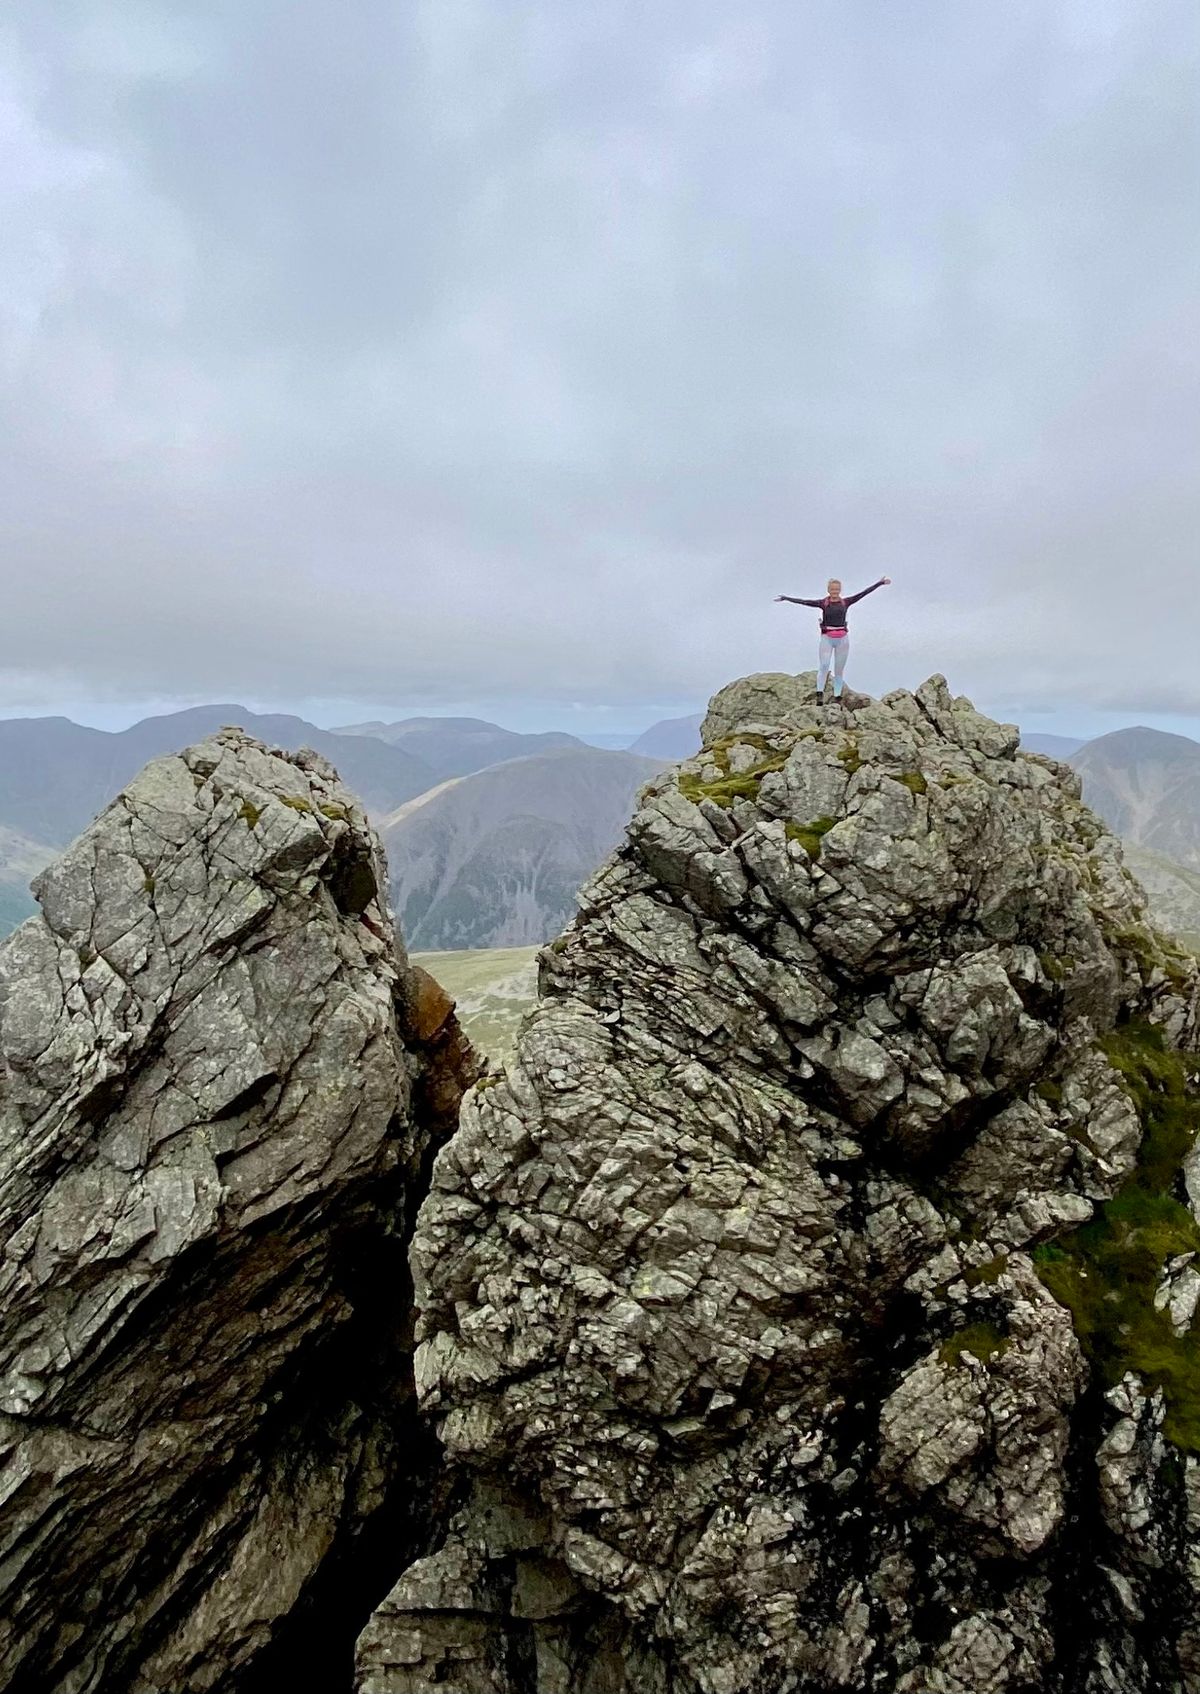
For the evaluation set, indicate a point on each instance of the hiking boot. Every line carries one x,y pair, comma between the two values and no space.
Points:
820,696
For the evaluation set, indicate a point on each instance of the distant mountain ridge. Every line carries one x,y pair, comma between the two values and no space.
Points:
1054,746
458,746
55,775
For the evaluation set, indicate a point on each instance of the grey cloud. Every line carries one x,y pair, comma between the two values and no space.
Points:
459,349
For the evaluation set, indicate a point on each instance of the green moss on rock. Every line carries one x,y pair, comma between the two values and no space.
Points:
1108,1271
732,785
914,781
250,813
983,1341
985,1275
809,834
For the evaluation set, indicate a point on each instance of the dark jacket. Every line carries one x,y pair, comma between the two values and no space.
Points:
833,612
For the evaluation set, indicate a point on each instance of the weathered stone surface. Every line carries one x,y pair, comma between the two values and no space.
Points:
210,1145
730,1315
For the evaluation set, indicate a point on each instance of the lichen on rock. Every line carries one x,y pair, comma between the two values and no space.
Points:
736,1289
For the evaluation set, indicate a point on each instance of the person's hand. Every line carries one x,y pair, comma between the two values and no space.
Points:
781,596
887,582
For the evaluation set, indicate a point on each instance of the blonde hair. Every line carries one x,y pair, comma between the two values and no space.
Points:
834,582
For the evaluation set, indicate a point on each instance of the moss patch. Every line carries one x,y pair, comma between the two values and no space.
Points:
1153,952
250,813
849,755
979,1276
295,802
1107,1272
1054,967
809,834
914,782
339,814
982,1340
733,785
1051,1091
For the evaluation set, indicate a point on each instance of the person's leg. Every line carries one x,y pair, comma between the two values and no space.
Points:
823,662
841,653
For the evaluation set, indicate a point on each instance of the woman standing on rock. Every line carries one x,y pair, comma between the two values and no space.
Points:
835,637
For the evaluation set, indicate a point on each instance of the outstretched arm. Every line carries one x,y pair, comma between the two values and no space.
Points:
863,592
792,600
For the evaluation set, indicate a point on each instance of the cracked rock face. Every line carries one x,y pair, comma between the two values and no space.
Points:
731,1308
209,1140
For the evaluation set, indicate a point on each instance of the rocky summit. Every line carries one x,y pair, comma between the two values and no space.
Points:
809,1304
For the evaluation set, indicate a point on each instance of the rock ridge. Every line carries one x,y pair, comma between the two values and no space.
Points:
809,1305
754,1294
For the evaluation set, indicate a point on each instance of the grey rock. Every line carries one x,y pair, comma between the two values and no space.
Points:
214,1105
726,1283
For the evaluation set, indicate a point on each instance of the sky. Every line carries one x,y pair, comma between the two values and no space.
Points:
513,355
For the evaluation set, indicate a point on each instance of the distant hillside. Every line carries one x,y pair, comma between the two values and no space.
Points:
671,738
20,860
56,775
1145,784
458,746
492,989
1173,890
495,859
1054,746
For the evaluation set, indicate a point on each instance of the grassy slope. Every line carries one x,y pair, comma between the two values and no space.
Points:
493,988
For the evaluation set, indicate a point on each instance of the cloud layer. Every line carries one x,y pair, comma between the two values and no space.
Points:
456,350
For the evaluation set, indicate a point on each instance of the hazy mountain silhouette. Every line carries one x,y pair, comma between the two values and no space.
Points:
56,775
458,746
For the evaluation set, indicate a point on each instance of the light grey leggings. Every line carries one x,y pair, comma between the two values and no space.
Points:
837,651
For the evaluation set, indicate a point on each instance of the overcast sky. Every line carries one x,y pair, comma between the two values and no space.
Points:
515,353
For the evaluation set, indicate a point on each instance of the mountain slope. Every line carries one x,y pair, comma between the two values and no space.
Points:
1172,889
55,775
670,738
1145,784
494,859
458,746
20,861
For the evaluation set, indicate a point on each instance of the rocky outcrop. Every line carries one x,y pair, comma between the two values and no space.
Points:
220,1091
809,1304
